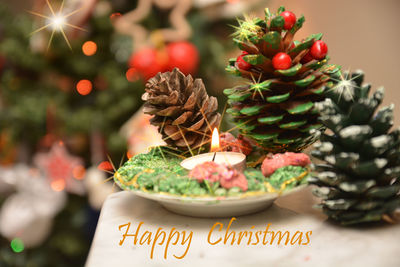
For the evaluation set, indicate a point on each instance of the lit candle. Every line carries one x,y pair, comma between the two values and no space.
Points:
235,159
215,141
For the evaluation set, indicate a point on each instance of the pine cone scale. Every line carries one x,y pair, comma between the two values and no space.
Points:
191,102
182,118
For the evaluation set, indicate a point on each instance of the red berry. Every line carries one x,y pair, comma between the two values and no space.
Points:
281,61
290,19
241,64
307,58
148,62
319,50
184,56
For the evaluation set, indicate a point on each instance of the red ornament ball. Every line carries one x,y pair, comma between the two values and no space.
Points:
281,61
148,62
184,56
241,64
290,19
319,50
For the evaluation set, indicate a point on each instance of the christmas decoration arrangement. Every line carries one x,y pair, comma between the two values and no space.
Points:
72,79
159,171
359,179
69,76
275,113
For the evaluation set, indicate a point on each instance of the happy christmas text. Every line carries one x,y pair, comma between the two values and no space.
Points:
161,240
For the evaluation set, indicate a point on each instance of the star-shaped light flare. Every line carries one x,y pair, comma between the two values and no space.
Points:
57,22
345,86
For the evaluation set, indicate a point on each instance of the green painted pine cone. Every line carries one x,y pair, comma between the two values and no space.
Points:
276,108
359,181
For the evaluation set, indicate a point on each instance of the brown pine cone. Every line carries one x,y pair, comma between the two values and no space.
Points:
181,105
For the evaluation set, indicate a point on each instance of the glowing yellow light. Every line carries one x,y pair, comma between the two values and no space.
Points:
114,16
58,185
79,172
89,48
84,87
215,140
57,22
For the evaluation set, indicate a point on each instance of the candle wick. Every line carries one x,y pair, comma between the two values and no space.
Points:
215,153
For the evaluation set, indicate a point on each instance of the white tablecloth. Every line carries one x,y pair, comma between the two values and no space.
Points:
330,245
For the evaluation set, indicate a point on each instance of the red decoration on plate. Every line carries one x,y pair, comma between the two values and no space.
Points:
290,19
281,61
184,56
319,50
273,162
214,172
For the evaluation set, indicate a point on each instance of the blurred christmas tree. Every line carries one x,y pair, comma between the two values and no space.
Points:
57,93
61,94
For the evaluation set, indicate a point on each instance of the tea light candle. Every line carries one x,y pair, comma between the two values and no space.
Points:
235,159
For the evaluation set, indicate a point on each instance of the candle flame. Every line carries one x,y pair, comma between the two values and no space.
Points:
215,140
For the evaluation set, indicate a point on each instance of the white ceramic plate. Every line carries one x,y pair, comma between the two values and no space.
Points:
214,206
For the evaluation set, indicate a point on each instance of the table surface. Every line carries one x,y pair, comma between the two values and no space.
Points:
330,244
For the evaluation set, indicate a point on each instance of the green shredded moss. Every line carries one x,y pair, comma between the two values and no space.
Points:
160,171
286,173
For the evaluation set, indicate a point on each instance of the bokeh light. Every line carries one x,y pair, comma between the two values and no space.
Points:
132,75
89,48
17,245
115,15
105,166
79,172
84,87
58,185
